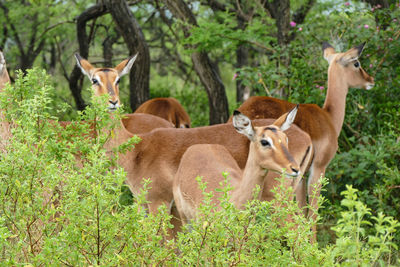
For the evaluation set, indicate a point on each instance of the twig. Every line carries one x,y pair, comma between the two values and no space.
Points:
393,187
250,42
201,245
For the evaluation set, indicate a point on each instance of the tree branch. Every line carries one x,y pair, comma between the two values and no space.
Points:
76,75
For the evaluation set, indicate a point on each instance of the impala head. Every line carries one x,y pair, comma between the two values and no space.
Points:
106,80
347,66
270,143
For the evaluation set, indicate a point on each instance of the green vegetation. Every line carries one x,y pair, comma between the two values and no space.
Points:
55,210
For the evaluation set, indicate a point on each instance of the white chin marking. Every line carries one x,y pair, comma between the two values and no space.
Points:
370,86
291,175
112,107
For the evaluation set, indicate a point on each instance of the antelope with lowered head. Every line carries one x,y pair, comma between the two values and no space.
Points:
167,108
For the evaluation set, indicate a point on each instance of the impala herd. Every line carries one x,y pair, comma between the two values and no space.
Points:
265,138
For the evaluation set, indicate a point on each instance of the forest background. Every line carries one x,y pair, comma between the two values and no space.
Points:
256,47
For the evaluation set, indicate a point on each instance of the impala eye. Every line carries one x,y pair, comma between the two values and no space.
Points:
117,82
265,143
357,64
94,81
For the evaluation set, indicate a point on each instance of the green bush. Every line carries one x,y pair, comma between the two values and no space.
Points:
57,210
354,245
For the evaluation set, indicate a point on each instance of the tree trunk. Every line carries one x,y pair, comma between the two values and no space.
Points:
283,21
75,79
130,30
242,59
107,49
280,11
207,72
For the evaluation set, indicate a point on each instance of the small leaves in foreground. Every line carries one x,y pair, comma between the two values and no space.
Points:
60,204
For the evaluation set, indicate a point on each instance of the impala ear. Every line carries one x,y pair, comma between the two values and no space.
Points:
286,120
328,51
352,54
243,125
359,48
84,65
125,66
2,62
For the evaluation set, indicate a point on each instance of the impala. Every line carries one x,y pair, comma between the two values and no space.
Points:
4,77
106,80
140,123
268,151
322,124
167,108
4,125
158,154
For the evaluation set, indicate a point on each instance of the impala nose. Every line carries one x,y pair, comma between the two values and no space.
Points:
369,86
295,172
113,102
113,105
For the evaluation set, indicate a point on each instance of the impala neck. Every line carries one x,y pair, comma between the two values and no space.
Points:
335,101
4,78
252,175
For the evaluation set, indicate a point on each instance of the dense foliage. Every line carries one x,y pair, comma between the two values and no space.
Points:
61,204
55,211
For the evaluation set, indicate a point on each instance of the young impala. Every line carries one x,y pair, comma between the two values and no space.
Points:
322,124
268,151
158,154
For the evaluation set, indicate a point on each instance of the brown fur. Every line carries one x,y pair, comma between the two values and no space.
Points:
159,153
322,124
210,161
167,108
106,80
140,123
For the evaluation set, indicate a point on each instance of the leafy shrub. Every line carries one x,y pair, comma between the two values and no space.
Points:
372,166
354,246
264,232
55,210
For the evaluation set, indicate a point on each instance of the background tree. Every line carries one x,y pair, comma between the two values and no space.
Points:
241,44
76,78
206,70
129,28
242,51
30,39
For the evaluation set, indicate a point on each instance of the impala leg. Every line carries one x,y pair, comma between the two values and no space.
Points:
301,195
175,220
314,190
